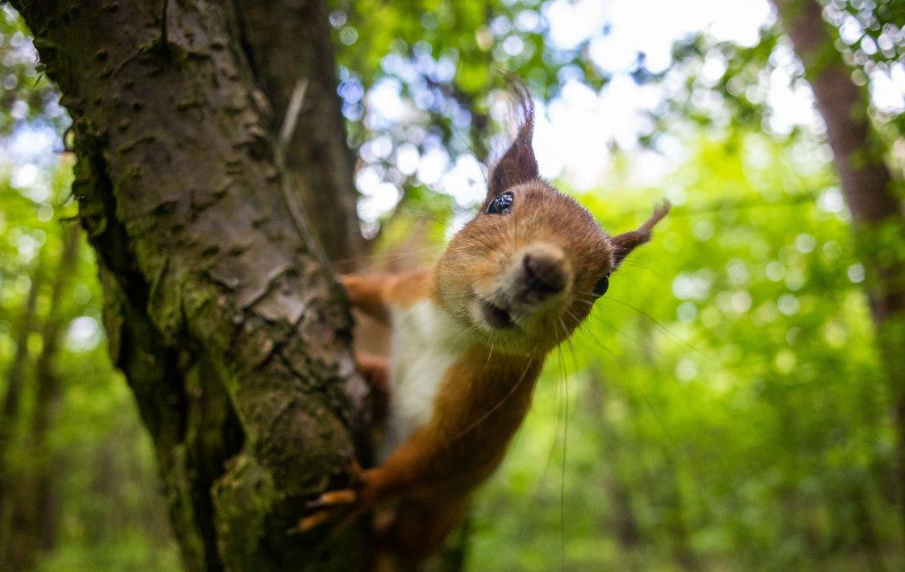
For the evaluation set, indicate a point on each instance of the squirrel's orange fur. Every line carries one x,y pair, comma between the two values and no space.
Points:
513,283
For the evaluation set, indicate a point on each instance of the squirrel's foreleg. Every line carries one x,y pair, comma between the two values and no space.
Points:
368,293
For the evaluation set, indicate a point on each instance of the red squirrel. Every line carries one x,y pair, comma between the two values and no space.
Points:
468,340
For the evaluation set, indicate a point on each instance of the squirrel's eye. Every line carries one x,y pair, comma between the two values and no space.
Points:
602,285
501,204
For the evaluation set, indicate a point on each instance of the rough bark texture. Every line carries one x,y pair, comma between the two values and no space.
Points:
867,185
232,335
288,42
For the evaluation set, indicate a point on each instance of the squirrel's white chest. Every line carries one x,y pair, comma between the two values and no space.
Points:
425,342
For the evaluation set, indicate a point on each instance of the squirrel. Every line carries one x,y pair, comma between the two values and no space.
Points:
468,340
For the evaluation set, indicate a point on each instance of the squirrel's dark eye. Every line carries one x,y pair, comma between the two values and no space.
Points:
501,204
602,285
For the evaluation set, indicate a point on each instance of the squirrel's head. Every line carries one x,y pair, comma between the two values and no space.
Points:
526,271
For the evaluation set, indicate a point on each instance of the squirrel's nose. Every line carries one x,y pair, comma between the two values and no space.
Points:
544,273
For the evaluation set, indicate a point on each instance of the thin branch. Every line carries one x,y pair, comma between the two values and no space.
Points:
293,110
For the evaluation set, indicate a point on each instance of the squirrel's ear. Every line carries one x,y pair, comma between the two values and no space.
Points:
628,241
517,165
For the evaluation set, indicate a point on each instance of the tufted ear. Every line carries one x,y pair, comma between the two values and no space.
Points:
628,241
517,165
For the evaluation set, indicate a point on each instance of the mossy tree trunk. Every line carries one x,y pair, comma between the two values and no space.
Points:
868,187
218,307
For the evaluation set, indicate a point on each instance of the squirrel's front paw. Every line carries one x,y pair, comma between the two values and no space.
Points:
340,505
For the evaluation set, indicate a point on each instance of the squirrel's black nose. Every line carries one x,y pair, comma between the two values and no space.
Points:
543,275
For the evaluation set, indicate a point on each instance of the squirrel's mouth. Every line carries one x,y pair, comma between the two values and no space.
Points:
496,317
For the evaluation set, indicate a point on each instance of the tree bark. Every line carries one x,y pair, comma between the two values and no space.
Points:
867,185
289,48
231,333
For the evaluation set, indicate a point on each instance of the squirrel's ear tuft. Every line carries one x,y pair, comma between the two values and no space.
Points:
628,241
517,165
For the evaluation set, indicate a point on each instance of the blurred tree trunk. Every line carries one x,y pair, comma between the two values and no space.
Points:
677,517
12,399
867,185
291,56
623,519
49,393
33,521
869,540
232,334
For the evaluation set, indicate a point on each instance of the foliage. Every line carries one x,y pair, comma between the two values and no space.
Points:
721,83
27,96
440,63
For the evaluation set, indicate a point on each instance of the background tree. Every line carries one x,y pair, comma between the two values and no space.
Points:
29,524
878,218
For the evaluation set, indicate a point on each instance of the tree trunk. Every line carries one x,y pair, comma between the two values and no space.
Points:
677,518
231,333
877,217
32,523
12,399
623,520
869,540
291,56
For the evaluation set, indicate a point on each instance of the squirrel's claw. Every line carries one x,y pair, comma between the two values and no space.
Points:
310,522
334,498
341,505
